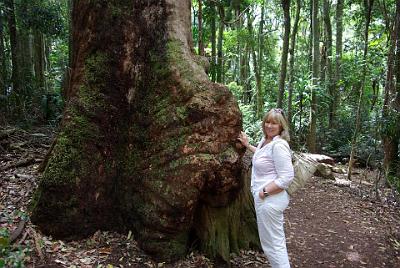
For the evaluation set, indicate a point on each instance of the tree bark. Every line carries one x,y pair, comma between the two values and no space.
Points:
285,50
147,143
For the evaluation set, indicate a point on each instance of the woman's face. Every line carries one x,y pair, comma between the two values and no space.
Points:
272,128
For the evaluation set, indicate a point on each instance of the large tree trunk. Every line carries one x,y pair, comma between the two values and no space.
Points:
147,142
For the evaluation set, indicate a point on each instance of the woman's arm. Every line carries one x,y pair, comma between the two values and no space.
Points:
245,141
282,157
271,188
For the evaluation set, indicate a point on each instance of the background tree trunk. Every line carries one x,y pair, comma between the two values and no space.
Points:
244,73
285,50
311,138
39,58
328,36
368,10
391,127
213,29
258,74
146,142
291,61
39,61
338,59
12,26
220,55
200,19
3,65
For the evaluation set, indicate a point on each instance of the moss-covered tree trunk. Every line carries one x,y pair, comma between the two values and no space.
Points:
147,143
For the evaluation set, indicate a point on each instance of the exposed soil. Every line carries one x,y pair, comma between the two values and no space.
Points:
330,226
326,225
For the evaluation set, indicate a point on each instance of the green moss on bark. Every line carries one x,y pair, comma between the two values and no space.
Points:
75,157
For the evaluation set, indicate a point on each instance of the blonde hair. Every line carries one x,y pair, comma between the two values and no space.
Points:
278,116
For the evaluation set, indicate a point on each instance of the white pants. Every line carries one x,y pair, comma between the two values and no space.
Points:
269,213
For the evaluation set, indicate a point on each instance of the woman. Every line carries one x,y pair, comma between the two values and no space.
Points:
272,172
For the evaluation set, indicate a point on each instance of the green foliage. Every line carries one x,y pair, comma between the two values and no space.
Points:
251,125
394,181
41,15
390,123
11,256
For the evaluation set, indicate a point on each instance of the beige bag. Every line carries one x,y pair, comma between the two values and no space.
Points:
304,169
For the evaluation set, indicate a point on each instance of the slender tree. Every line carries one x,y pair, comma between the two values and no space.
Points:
285,49
220,57
256,68
213,30
329,73
200,26
25,52
291,59
244,70
3,64
338,59
260,54
390,129
39,60
312,135
367,13
12,26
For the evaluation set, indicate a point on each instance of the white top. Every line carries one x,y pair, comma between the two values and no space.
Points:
267,167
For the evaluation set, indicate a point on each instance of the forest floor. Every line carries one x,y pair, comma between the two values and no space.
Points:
327,225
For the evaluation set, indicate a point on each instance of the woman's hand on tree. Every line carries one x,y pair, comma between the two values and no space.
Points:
244,139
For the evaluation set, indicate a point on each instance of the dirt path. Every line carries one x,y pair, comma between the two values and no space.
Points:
330,226
326,225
